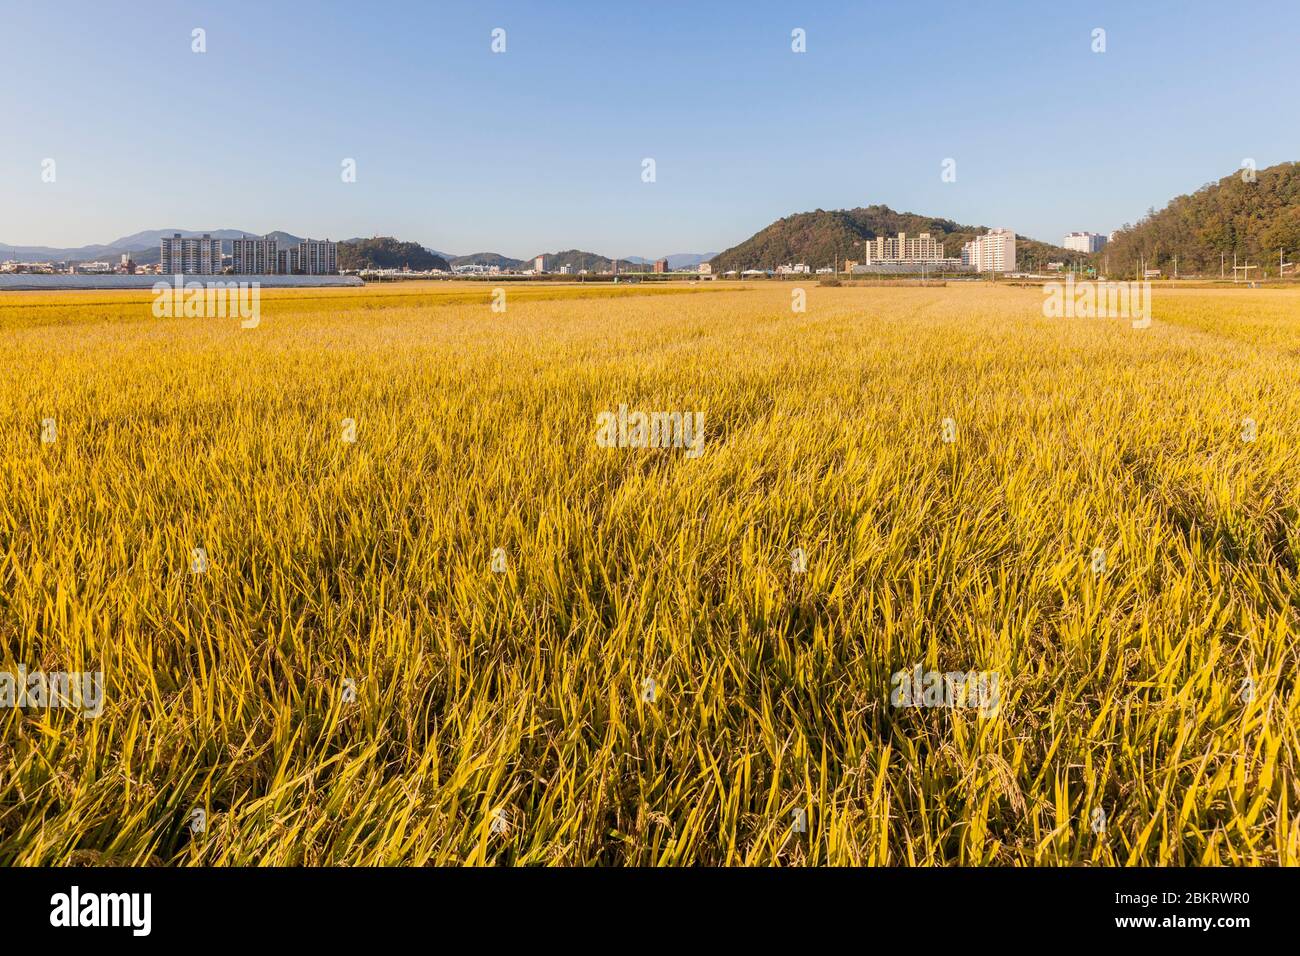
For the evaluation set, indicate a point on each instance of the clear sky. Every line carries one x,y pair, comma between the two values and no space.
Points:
540,148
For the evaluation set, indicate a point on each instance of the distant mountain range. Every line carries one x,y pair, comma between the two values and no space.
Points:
1254,214
485,259
821,237
143,247
577,260
678,260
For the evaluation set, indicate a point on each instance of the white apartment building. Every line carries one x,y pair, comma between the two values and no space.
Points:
255,257
317,257
200,257
922,248
995,251
263,256
1084,241
539,264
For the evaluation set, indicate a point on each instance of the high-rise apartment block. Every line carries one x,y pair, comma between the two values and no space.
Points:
313,257
921,248
1084,241
995,251
317,257
201,257
255,256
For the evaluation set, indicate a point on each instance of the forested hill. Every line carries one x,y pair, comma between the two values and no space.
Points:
385,252
818,238
1234,215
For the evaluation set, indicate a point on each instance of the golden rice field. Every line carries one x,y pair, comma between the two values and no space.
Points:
349,681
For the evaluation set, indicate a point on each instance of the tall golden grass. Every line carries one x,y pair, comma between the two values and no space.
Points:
518,697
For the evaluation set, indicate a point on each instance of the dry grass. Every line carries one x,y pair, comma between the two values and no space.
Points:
478,691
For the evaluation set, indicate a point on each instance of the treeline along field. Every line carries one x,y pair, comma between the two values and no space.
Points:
474,635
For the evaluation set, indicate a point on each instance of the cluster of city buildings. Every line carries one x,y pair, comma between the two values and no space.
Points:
202,255
995,251
789,269
921,252
126,266
902,254
539,267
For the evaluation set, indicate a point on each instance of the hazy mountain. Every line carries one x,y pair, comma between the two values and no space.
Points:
817,238
151,237
143,247
579,260
284,238
677,260
487,259
688,260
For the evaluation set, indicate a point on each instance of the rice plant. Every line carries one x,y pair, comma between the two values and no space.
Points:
461,631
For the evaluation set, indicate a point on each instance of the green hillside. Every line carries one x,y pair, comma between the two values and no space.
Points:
1254,220
385,252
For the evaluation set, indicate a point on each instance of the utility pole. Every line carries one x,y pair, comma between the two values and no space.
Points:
1221,265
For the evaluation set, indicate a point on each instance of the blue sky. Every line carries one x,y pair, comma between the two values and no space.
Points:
540,148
